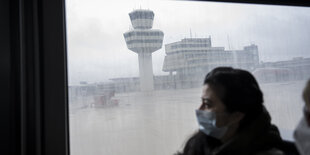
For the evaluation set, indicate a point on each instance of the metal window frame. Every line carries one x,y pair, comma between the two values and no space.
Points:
33,67
34,83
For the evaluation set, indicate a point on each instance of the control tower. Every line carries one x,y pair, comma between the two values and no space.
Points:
144,40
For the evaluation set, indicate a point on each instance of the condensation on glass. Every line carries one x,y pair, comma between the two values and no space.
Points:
136,69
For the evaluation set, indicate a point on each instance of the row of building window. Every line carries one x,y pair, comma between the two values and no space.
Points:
219,61
130,34
213,55
214,52
190,45
220,52
145,41
141,15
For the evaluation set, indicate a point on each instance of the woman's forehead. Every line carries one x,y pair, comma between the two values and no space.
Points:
208,92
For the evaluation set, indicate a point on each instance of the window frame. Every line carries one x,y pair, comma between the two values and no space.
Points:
33,58
34,83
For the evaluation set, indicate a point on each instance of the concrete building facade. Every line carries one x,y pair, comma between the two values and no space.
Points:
191,58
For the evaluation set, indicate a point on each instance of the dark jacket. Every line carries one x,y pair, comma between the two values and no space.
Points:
260,137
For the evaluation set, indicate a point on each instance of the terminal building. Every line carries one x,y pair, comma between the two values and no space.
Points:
191,58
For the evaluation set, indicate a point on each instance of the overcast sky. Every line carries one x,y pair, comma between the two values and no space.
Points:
97,50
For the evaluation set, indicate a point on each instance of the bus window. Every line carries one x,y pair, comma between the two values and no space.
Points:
136,68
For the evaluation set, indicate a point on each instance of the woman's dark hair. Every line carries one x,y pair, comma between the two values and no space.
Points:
238,90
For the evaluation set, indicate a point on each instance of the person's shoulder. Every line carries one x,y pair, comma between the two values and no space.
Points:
273,151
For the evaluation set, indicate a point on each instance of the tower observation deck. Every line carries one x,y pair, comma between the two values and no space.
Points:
144,40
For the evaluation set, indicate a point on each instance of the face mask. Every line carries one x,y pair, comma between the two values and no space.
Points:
302,137
207,124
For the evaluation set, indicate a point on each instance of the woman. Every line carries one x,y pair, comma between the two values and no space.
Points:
232,119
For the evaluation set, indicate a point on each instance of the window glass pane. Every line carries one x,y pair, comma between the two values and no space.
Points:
136,68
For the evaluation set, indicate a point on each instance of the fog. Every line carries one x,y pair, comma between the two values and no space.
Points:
97,50
108,112
159,123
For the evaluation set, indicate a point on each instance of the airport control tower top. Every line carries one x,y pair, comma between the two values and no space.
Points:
143,39
142,19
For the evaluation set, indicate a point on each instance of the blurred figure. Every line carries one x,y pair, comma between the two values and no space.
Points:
232,119
302,132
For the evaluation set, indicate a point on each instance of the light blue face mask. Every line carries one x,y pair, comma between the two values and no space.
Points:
207,124
302,137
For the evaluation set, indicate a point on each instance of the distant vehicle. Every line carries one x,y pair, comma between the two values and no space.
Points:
104,96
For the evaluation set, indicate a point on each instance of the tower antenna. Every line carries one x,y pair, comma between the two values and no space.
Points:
229,47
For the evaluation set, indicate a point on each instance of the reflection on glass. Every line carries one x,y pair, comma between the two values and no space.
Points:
124,102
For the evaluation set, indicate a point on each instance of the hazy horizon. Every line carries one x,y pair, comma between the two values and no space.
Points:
97,50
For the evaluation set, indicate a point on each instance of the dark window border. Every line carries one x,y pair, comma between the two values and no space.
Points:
34,78
34,112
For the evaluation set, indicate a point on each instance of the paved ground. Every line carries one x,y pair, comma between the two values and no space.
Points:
159,122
